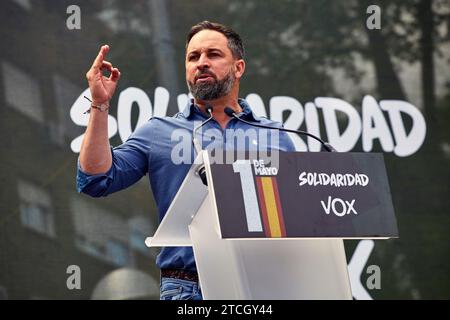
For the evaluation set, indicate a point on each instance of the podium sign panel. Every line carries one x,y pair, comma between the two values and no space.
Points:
339,195
262,232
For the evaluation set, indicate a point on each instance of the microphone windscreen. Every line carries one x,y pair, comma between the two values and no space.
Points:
228,111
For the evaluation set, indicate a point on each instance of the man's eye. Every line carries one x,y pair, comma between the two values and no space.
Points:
192,58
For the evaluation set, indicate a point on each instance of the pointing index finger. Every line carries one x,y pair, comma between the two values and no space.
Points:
99,59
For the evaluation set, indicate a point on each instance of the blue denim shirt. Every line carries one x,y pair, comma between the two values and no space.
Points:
149,150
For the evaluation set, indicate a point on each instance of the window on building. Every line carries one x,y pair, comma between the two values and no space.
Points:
137,241
117,252
35,208
101,233
140,227
92,248
22,92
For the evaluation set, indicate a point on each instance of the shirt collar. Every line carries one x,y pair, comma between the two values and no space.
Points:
246,114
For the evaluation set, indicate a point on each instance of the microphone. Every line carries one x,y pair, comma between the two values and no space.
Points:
230,112
201,171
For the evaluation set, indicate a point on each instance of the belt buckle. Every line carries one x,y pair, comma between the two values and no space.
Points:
180,274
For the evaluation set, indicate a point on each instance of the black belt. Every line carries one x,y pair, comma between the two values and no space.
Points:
179,274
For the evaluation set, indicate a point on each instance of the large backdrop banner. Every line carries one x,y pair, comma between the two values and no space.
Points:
366,76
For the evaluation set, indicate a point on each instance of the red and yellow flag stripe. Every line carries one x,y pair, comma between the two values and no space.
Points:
270,206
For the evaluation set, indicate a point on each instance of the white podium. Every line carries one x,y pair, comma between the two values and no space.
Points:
305,267
305,264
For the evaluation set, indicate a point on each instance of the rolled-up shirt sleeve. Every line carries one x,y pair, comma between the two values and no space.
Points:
129,165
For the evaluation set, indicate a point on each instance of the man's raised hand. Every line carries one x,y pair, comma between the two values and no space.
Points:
102,88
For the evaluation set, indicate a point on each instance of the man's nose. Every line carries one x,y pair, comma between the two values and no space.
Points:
203,62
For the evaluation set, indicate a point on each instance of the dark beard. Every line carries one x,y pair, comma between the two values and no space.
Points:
212,90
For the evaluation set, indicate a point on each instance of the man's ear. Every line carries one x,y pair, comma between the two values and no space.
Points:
239,68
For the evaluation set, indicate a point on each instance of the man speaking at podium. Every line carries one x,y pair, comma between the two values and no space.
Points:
214,67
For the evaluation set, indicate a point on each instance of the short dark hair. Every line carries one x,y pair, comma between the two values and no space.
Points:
234,40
